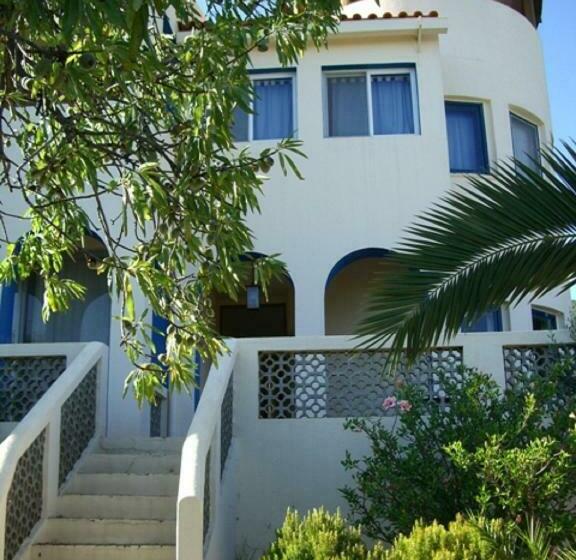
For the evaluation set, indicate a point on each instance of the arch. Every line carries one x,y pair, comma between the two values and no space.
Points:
87,319
347,288
273,317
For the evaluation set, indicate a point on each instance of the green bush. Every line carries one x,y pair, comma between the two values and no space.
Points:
319,536
460,541
498,455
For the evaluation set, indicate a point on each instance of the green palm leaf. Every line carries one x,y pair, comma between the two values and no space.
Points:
505,237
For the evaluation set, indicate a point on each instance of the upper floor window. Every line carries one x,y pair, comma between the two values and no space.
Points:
466,137
545,320
272,114
491,321
370,102
525,142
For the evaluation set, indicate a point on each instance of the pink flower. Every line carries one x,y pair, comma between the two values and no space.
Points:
389,402
405,406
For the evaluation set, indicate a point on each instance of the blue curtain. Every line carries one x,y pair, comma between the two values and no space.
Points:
392,110
347,106
273,109
526,142
466,138
240,125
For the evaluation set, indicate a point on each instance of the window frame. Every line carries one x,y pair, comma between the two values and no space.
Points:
368,72
546,313
481,109
515,115
256,75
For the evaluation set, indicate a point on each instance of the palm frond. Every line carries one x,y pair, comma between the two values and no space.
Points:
505,237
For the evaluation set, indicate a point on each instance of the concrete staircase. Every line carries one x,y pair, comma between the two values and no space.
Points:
120,505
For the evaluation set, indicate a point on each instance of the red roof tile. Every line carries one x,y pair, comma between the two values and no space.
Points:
389,15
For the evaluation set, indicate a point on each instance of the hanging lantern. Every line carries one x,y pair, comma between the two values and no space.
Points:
253,297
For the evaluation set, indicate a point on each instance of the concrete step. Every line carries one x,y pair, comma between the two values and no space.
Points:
107,531
102,552
141,444
116,507
118,484
133,463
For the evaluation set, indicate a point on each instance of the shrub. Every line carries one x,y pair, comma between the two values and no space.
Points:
460,541
319,536
499,455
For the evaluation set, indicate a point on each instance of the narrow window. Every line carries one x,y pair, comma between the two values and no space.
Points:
272,116
240,127
371,103
273,113
525,142
466,137
544,320
347,106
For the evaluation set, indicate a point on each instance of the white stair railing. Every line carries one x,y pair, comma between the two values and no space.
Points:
204,456
42,450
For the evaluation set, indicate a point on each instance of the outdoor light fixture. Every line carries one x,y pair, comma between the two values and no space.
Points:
253,297
253,292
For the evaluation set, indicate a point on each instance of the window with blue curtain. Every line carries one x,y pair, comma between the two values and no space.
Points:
466,137
273,112
273,109
392,109
525,142
240,126
491,321
544,320
368,103
347,106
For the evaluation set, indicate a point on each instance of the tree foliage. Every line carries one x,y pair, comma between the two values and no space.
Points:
111,126
504,237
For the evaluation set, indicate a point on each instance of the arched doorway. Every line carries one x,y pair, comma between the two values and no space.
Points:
348,287
253,314
86,320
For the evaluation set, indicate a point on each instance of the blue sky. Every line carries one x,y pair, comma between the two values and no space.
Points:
559,40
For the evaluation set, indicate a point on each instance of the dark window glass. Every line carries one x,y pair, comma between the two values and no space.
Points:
544,321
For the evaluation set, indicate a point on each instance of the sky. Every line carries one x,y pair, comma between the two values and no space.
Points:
559,42
558,33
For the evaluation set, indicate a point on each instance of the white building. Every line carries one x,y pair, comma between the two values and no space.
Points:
410,97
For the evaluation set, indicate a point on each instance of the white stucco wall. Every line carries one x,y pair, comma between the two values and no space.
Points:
296,462
362,192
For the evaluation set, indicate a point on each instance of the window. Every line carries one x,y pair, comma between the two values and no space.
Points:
489,322
466,137
273,111
544,320
366,103
525,142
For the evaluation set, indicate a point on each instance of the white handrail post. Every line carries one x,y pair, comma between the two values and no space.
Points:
3,507
190,528
102,393
51,471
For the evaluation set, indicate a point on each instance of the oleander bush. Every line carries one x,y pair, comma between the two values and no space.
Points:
507,455
320,535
